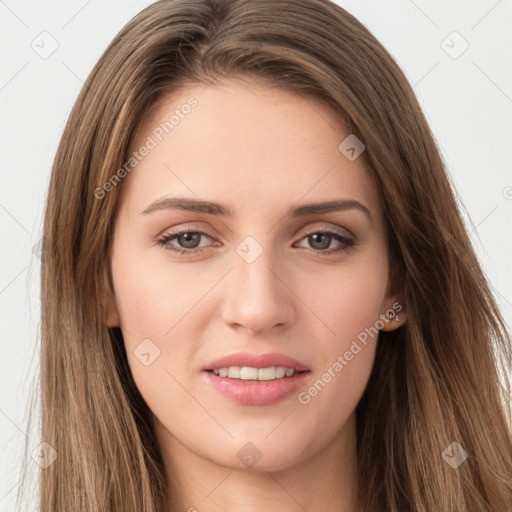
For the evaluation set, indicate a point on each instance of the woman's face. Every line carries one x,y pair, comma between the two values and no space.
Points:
265,280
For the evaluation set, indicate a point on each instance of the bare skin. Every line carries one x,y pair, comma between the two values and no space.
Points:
260,152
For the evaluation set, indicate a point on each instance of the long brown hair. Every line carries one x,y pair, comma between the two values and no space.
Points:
435,381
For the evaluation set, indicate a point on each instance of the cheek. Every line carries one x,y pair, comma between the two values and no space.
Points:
151,297
152,306
345,302
348,308
160,310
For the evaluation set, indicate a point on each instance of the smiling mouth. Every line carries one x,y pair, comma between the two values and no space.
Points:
255,374
246,388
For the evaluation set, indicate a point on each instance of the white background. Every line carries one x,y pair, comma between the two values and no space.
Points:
467,100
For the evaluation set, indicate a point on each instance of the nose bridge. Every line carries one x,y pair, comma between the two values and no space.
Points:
258,298
255,269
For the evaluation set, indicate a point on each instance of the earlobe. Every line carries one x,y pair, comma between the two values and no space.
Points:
394,317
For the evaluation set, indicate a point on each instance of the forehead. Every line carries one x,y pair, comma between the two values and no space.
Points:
245,145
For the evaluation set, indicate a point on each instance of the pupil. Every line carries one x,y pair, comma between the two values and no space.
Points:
189,237
318,235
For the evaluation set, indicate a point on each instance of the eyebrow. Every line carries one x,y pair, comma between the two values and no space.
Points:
211,208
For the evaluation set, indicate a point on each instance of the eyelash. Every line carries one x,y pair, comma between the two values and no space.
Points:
347,243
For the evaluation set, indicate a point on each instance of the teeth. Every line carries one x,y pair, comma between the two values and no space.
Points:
233,372
249,373
280,372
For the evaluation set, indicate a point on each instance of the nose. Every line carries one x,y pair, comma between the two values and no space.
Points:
258,296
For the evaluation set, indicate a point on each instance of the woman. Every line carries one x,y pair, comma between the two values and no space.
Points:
257,289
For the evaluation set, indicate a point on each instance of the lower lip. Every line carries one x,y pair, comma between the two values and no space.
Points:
257,392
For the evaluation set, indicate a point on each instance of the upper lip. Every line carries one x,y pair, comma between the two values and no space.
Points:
256,361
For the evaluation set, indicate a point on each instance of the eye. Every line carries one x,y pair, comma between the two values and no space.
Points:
188,241
320,240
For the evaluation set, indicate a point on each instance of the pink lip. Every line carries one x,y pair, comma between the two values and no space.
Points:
257,392
257,361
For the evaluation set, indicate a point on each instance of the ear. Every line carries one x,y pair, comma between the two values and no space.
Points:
393,306
110,317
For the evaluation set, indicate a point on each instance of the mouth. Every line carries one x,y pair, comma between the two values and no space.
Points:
243,389
233,363
252,373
